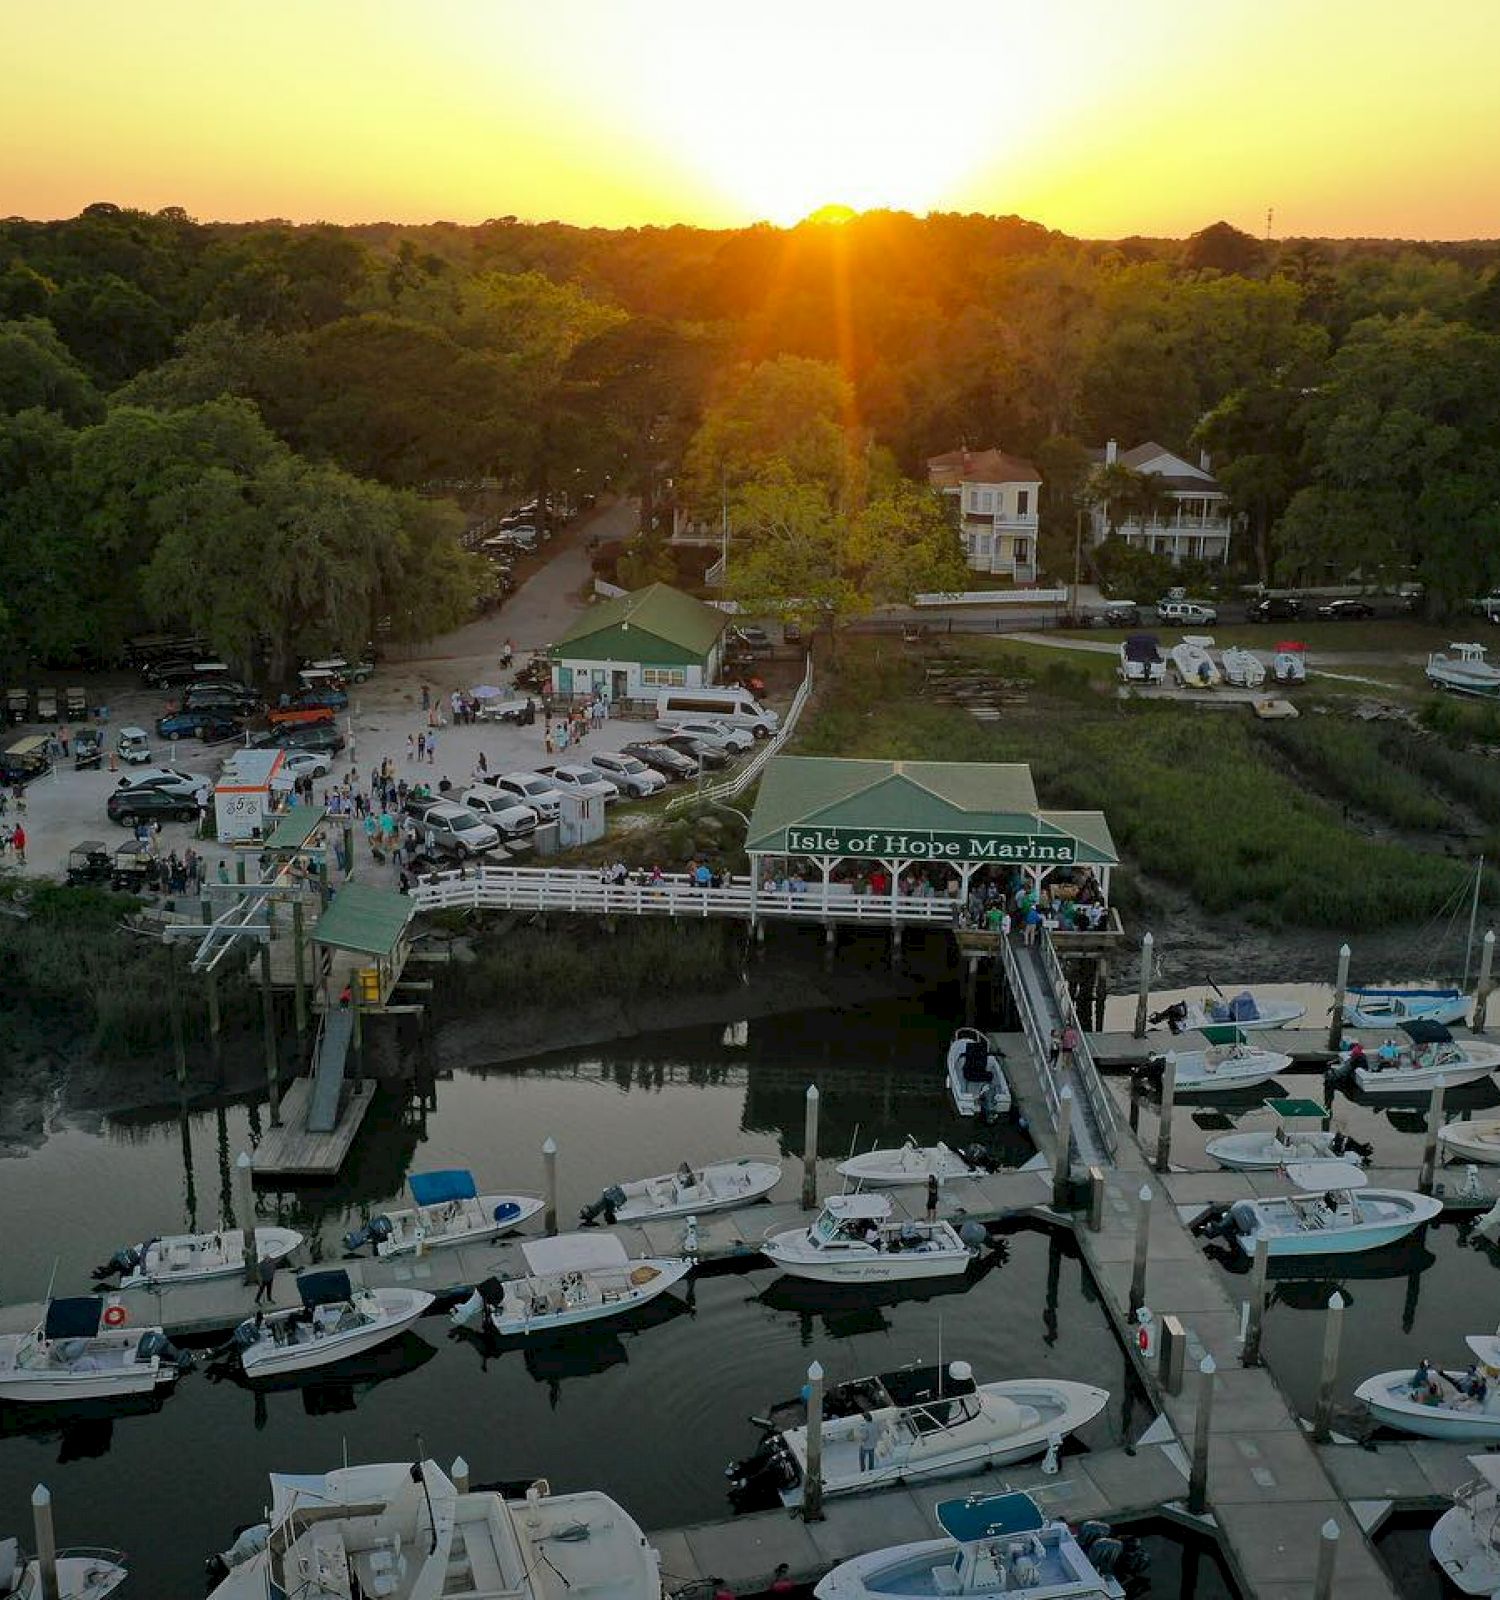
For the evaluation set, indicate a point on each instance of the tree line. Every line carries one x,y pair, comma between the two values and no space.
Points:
240,427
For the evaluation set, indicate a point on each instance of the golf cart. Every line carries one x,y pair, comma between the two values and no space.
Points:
17,705
88,748
90,862
46,705
135,868
78,703
133,745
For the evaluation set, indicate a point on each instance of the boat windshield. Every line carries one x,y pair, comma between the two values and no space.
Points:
939,1415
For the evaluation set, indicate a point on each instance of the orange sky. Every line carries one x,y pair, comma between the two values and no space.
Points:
1088,115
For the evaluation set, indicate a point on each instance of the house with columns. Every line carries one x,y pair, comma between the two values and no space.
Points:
1191,520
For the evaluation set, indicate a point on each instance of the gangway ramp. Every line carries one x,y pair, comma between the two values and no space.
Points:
329,1058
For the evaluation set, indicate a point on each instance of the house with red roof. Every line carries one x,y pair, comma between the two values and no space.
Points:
997,497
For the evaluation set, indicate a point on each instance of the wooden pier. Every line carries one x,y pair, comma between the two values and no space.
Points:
294,1150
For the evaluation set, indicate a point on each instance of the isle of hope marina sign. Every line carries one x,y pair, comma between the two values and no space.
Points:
927,844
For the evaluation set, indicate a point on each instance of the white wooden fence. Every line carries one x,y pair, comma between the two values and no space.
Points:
993,597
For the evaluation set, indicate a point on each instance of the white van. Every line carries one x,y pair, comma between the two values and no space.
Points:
737,707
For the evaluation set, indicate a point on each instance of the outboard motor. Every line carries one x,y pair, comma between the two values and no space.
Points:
756,1482
1174,1015
376,1231
159,1345
1150,1071
607,1205
1342,1145
1238,1220
974,1234
981,1157
121,1263
1338,1074
249,1542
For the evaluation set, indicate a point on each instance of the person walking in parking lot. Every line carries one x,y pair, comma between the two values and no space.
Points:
18,844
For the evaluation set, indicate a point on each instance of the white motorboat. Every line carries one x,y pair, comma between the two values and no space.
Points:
1289,662
576,1277
1464,669
402,1531
1478,1140
1247,1012
1220,1068
86,1348
1243,669
1141,660
976,1076
81,1574
1432,1054
1296,1134
996,1544
1192,663
1333,1213
187,1257
856,1239
914,1163
915,1423
690,1191
1465,1542
1435,1404
334,1321
1386,1008
447,1209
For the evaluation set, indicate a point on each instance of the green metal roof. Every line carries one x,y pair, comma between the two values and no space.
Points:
364,918
950,799
295,828
658,611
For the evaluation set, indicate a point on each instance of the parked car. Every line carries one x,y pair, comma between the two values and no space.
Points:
756,640
213,727
699,751
128,806
307,763
342,667
170,780
504,813
571,779
1120,614
290,716
324,694
629,774
667,761
454,830
1345,611
531,789
181,669
308,736
1274,608
1192,613
731,705
710,732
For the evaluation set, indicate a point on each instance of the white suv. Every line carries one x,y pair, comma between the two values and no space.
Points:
710,732
531,789
1191,612
629,774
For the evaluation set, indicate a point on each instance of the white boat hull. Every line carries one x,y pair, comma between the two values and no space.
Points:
1351,1238
909,1164
1471,1141
1264,1152
630,1297
191,1258
1387,1397
967,1092
906,1570
78,1578
1372,1009
424,1228
1198,1072
1420,1080
1471,1565
907,1267
1269,1014
105,1368
723,1186
399,1309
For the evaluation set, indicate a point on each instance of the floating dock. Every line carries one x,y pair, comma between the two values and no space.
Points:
294,1150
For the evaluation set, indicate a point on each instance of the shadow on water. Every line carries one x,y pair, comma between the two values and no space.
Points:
338,1387
1402,1546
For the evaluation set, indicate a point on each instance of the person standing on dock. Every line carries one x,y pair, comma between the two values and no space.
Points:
265,1278
932,1197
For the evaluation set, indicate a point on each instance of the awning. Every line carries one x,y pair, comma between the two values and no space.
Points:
1422,1031
990,1516
436,1188
295,828
574,1252
75,1318
364,919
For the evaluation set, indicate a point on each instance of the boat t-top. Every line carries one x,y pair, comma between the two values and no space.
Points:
910,1424
1296,1134
1465,1542
81,1574
1464,669
1333,1212
976,1076
995,1544
335,1320
916,1163
188,1257
447,1209
1432,1053
402,1531
1387,1008
856,1239
87,1348
690,1191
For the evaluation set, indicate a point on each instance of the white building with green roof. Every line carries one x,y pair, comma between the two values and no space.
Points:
635,645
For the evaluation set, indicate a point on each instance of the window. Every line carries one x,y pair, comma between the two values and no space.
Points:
1023,501
982,544
664,677
986,499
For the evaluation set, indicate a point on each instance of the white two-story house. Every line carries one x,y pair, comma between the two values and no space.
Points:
1191,520
997,497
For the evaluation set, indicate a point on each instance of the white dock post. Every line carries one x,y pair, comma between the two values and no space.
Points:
1062,1167
46,1541
1142,1245
244,1203
812,1485
1328,1555
1333,1331
1340,989
1202,1424
1428,1174
549,1169
810,1150
1164,1120
1486,983
460,1475
1143,993
1250,1355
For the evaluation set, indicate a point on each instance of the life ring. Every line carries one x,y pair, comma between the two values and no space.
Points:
1143,1339
115,1316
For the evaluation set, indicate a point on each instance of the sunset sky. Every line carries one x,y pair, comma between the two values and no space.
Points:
1088,115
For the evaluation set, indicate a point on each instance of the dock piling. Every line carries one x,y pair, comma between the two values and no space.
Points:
1428,1174
1333,1332
299,968
549,1169
268,1025
244,1204
1486,983
1142,1245
1143,993
1328,1555
1202,1428
1250,1355
812,1488
1340,991
460,1475
1062,1167
810,1151
174,999
1173,1352
1096,1199
46,1541
1164,1120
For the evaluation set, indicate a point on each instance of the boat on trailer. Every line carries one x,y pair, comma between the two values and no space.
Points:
994,1544
1190,659
1383,1008
447,1209
1465,1541
335,1320
921,1422
1141,660
189,1257
976,1076
690,1191
1289,661
1242,668
1464,669
1333,1212
81,1574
